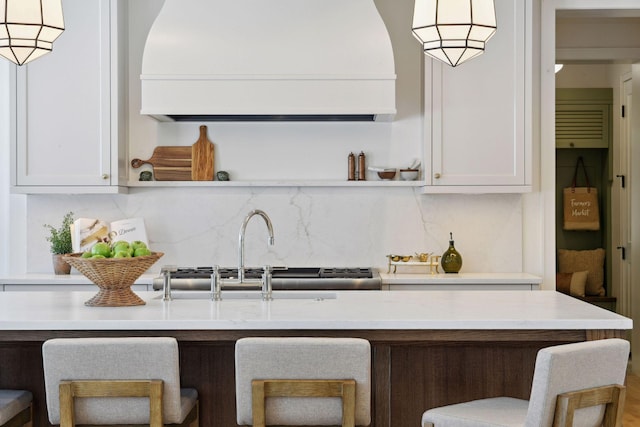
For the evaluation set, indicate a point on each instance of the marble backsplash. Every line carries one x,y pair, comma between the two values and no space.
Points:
324,226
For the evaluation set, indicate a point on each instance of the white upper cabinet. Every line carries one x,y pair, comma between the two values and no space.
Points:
67,133
478,115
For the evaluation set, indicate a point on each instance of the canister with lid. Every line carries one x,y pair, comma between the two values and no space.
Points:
362,168
351,160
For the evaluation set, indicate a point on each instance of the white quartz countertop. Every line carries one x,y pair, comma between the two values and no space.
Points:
460,278
342,310
387,278
75,278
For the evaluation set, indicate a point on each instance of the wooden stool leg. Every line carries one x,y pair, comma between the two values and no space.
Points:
66,405
349,403
155,404
258,403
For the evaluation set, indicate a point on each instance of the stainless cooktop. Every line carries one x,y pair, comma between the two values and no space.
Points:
283,278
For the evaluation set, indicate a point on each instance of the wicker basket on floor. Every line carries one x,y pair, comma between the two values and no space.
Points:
114,277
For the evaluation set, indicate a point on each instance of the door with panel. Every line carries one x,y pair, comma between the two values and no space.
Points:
67,130
477,115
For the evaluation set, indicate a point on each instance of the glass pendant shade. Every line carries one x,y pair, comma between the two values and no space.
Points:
28,28
453,31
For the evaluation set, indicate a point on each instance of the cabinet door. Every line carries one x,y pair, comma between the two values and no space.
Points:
63,105
583,117
582,126
480,139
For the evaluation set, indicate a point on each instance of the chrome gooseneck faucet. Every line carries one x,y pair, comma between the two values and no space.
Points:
241,238
265,281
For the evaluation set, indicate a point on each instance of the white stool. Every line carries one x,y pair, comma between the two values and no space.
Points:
577,383
15,408
103,381
279,380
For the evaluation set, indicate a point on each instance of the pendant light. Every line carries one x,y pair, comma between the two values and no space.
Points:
453,31
28,28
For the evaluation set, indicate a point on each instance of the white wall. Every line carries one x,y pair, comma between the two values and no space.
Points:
323,226
13,245
4,170
591,75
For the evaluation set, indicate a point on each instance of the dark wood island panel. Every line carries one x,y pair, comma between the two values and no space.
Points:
413,370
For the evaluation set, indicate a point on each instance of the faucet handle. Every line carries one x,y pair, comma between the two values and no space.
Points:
267,288
216,284
166,271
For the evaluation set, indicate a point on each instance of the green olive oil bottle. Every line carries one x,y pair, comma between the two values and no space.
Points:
451,260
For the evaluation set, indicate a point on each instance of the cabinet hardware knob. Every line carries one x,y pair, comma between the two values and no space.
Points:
437,176
105,176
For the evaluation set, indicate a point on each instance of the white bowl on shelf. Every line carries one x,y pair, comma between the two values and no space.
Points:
409,174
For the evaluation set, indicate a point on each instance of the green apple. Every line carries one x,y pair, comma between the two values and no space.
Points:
122,246
142,252
86,255
101,248
98,257
136,244
122,254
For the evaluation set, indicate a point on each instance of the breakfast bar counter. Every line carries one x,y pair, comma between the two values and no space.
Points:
428,348
334,310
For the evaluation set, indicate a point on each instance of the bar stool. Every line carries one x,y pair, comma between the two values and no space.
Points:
15,408
573,384
279,381
116,381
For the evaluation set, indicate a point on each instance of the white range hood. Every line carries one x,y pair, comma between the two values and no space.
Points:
268,60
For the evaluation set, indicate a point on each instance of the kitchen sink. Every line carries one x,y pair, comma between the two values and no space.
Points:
254,295
284,279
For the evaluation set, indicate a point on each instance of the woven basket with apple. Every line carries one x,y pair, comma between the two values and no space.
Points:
114,268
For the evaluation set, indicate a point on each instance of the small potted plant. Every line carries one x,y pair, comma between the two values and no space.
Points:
60,239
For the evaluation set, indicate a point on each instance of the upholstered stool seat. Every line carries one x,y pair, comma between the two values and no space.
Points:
114,381
15,407
497,411
303,381
573,384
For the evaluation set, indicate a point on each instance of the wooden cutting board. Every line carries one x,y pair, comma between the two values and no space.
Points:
171,163
202,158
